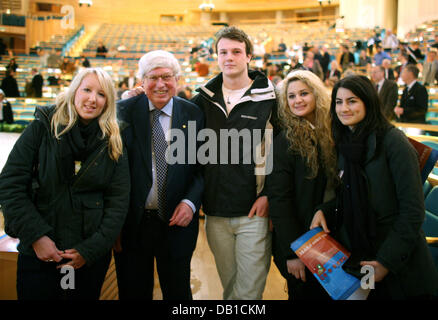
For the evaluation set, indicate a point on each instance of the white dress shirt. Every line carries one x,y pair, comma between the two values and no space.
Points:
165,121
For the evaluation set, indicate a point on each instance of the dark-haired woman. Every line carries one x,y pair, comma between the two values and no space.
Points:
379,208
304,171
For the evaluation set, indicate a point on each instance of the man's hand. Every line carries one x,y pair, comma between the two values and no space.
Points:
260,208
132,93
46,250
182,215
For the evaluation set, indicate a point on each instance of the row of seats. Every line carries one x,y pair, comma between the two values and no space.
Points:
430,225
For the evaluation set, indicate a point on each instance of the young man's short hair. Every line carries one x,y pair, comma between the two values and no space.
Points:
236,34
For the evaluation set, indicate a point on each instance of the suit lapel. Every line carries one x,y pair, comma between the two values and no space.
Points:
142,129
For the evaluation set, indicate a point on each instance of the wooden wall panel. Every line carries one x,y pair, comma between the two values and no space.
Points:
149,11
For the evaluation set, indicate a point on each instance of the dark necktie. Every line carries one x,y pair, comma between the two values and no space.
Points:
160,146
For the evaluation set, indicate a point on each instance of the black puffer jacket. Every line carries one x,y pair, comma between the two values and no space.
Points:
86,214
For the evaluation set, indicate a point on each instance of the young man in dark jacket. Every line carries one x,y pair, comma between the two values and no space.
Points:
237,102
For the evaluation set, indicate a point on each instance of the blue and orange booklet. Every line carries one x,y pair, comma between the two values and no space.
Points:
324,257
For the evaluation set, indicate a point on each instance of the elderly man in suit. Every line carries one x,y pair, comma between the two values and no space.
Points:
165,198
387,91
413,103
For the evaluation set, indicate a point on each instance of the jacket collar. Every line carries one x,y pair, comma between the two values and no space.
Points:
371,147
260,85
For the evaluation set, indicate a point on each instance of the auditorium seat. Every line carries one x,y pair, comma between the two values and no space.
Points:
434,145
427,187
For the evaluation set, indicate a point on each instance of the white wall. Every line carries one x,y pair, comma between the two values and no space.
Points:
413,13
368,13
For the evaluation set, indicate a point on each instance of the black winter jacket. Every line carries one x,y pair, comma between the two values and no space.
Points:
86,214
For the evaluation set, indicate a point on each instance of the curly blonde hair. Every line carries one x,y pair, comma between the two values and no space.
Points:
315,145
66,114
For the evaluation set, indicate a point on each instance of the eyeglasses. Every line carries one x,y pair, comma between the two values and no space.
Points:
165,77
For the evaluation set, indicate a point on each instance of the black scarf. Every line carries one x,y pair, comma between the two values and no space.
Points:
357,216
77,145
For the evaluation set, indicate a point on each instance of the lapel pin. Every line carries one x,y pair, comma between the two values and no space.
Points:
184,126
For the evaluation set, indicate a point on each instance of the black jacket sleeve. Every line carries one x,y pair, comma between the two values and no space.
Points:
22,219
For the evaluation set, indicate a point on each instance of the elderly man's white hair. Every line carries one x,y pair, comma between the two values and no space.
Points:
158,59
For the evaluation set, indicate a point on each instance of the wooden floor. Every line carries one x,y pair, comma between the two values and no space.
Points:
205,279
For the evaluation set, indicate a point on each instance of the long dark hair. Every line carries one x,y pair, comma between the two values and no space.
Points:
374,120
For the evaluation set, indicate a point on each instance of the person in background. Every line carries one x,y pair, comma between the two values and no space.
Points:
130,81
430,68
313,65
322,55
101,50
414,100
364,60
10,85
387,91
303,176
85,62
6,114
379,210
37,83
72,157
12,65
404,60
333,75
389,42
389,72
347,58
380,56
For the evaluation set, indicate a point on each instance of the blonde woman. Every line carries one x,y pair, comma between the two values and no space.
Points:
72,157
303,174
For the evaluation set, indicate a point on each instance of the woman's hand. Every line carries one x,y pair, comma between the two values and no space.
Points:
319,221
46,250
77,261
380,271
297,268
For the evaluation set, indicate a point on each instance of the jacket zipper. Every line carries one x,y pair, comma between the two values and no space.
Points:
91,163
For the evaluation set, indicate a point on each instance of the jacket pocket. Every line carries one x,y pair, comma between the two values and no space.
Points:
92,210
